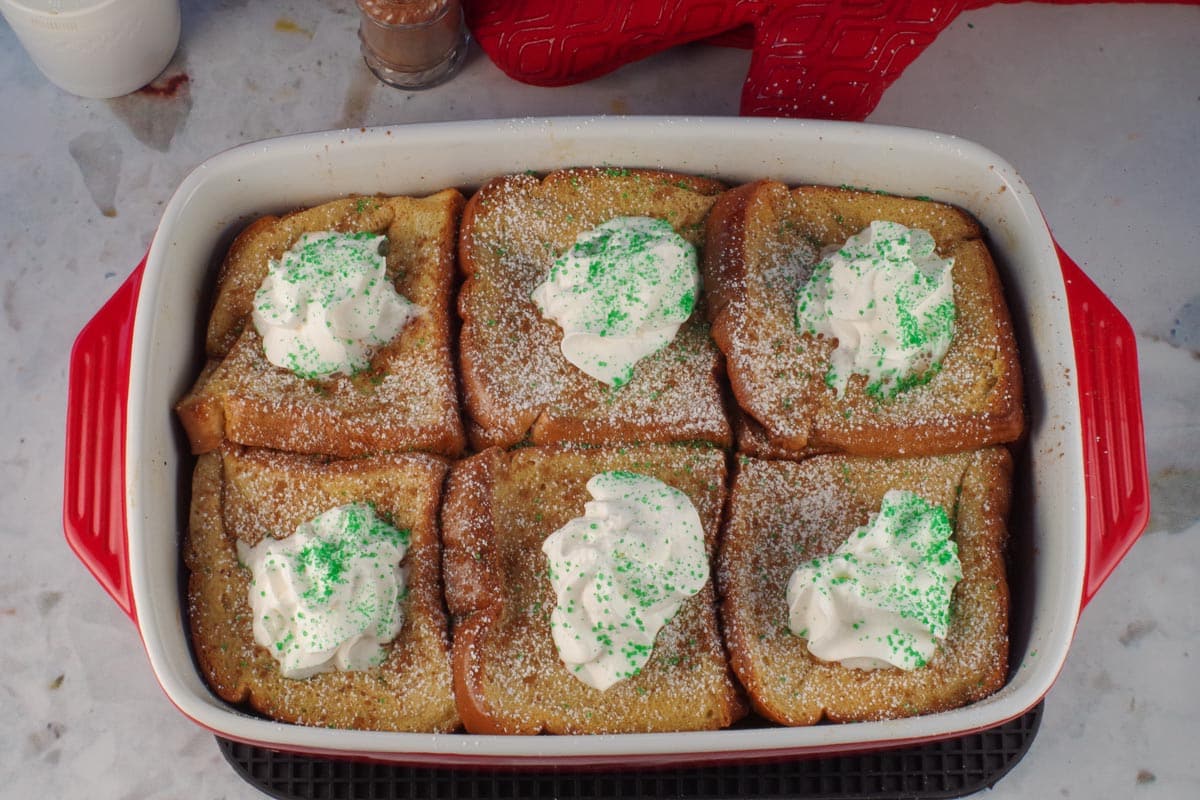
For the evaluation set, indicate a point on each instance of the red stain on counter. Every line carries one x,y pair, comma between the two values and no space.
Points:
166,87
157,111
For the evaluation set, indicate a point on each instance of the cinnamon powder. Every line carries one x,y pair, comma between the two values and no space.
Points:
410,35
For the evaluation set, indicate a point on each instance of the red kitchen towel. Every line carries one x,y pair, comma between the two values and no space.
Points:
828,59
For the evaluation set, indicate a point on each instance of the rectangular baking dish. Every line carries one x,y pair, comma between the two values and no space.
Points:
1081,495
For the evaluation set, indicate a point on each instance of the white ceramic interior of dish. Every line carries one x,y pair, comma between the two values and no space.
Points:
1049,528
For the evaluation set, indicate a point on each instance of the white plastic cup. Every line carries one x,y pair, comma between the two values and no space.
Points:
96,48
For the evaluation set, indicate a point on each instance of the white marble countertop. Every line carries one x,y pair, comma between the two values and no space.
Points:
1097,106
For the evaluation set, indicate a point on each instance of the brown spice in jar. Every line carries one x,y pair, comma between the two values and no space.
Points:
410,35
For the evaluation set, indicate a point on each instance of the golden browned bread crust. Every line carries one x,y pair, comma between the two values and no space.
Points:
406,400
763,241
246,494
508,678
783,512
752,440
516,382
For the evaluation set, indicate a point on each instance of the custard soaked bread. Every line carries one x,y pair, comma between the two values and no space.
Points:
784,515
508,674
774,310
400,395
517,233
240,500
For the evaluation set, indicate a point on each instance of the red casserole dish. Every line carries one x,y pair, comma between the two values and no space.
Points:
1081,498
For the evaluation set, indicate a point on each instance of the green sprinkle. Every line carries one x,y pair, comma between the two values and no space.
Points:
620,279
904,564
632,591
327,277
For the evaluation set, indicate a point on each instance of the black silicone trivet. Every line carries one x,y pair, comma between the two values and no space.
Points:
949,768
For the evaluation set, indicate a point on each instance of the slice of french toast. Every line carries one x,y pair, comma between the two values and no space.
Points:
508,677
517,385
783,513
243,495
763,241
407,399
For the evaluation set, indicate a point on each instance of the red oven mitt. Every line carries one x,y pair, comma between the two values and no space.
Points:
828,59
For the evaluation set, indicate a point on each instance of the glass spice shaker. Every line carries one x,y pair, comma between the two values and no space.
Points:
413,44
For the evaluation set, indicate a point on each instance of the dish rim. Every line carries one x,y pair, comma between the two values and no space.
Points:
1028,682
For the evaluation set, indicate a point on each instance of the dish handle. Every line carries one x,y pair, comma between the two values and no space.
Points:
1114,444
94,469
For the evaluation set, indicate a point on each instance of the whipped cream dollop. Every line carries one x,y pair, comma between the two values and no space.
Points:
328,597
620,293
327,305
620,573
888,300
883,598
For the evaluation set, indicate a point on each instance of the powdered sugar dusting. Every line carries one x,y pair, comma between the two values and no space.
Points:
779,375
518,388
265,494
516,669
407,401
782,513
515,376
